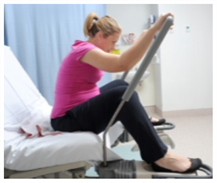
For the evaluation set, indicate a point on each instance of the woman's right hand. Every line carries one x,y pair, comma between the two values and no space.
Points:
160,21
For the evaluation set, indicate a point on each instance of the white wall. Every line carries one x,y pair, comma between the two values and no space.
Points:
183,78
186,60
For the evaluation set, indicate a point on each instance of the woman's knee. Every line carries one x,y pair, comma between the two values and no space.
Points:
134,96
118,92
121,82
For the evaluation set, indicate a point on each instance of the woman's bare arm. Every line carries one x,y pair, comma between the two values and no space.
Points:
117,63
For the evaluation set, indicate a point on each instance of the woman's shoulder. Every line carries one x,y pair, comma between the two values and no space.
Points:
82,44
80,48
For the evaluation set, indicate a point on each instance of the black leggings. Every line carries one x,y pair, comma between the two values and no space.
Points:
95,114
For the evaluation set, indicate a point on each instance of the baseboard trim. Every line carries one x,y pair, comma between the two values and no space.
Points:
179,113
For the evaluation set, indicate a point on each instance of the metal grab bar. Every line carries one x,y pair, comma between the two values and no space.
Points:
130,89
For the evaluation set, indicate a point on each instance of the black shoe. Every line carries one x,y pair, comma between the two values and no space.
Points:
195,165
160,122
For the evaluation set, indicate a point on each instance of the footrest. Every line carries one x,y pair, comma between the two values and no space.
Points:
140,169
165,126
117,169
204,168
144,170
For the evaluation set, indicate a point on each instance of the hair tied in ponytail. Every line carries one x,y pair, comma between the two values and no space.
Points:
96,18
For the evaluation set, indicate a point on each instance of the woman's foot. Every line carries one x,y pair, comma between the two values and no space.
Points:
176,163
156,122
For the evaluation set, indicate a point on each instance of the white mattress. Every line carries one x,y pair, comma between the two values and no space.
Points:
24,106
27,154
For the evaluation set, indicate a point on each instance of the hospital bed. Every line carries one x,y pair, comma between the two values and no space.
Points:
32,149
28,154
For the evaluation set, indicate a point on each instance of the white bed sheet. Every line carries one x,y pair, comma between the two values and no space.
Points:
27,154
24,107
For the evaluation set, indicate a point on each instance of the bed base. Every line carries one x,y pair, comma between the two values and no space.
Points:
73,170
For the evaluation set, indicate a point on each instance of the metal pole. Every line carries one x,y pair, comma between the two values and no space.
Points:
124,75
130,89
107,128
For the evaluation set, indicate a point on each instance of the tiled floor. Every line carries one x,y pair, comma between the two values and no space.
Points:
193,137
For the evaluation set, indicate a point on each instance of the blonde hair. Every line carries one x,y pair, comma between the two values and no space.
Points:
106,25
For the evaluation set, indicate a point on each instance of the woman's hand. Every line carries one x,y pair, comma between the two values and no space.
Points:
160,21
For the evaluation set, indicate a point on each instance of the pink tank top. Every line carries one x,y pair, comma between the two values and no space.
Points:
76,81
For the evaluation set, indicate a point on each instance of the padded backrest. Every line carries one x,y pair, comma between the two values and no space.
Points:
22,100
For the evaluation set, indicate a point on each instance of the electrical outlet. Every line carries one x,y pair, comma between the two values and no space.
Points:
187,28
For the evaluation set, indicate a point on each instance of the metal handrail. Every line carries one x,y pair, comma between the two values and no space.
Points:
130,89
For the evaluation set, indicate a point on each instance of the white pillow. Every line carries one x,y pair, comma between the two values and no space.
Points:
21,98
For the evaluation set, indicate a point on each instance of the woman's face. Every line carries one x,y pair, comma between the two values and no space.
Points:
107,44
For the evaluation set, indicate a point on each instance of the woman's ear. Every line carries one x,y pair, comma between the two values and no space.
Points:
99,35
